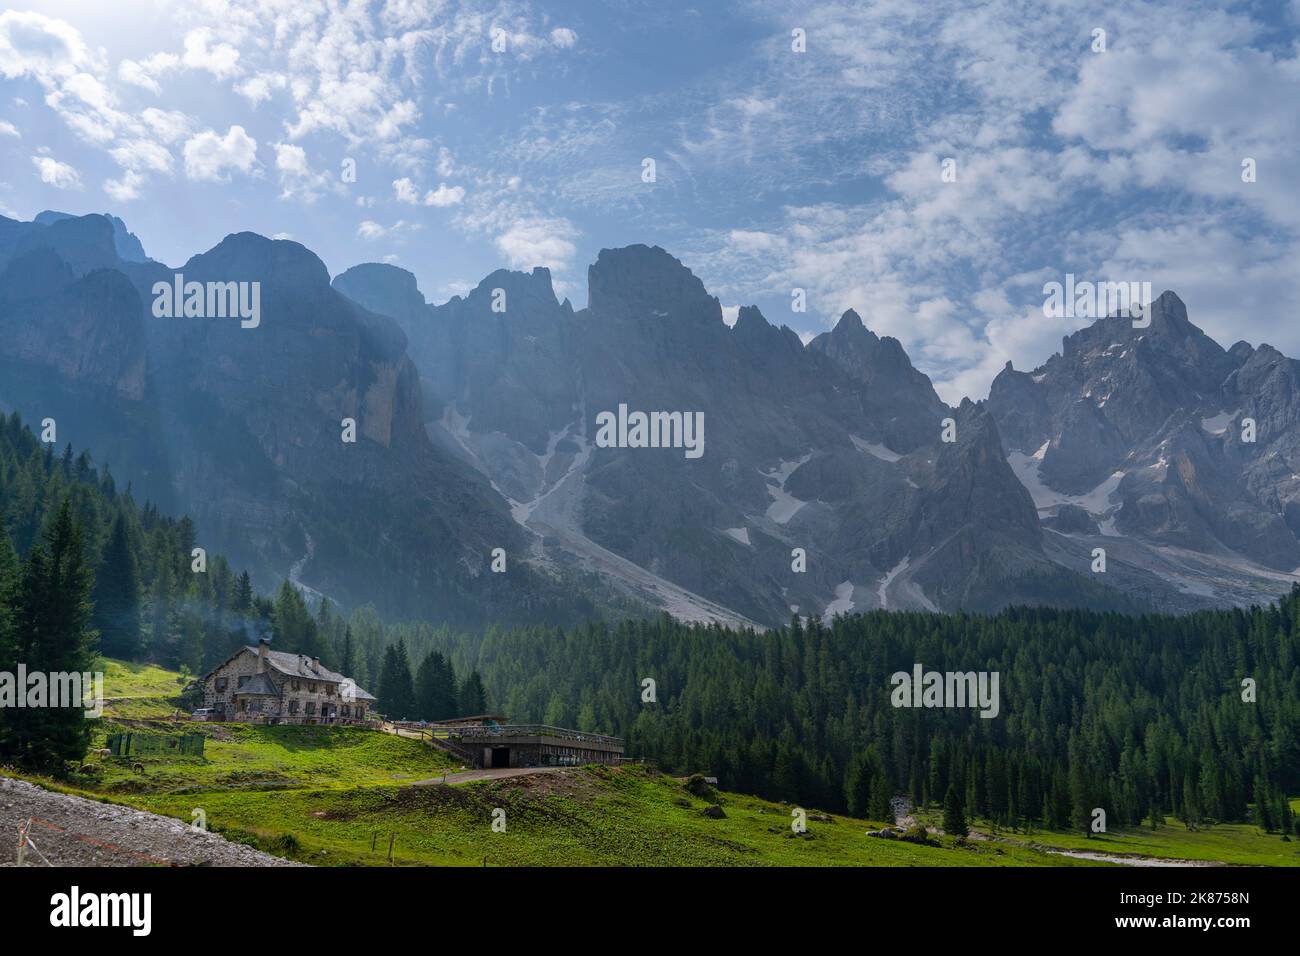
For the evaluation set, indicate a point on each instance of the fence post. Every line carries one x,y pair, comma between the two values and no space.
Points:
391,837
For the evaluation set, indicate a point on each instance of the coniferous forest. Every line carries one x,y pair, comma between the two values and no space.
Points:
1142,716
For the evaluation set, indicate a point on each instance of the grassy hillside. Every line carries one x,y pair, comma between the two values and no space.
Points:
140,691
326,795
247,757
576,817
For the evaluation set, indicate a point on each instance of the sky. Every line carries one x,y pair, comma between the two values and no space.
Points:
794,146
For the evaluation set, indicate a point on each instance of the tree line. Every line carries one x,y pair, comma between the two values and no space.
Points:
86,571
1140,716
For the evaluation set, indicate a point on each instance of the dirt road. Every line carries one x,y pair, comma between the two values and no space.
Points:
497,773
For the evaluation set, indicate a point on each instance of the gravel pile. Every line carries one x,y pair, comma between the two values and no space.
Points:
72,831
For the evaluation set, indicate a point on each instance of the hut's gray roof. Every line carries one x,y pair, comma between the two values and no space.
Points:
258,684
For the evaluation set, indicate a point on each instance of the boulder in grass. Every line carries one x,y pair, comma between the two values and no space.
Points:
697,786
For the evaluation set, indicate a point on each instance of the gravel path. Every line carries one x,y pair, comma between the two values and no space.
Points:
72,831
495,773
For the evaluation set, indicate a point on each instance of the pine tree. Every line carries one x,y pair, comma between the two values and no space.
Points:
396,694
473,698
445,699
53,636
857,786
244,594
954,819
117,596
880,807
348,655
1191,809
431,692
10,578
938,769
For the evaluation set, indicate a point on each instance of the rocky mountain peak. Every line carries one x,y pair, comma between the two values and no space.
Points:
851,327
126,243
249,256
645,283
83,242
386,289
535,286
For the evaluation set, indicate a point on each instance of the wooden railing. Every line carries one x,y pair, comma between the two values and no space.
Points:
525,730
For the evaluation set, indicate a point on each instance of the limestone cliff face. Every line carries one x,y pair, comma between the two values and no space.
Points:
86,328
1143,428
832,448
242,427
476,423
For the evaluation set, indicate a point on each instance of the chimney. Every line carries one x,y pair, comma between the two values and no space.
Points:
263,646
315,664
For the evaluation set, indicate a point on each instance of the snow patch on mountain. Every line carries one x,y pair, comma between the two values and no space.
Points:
1096,502
784,505
738,534
843,602
882,452
1219,423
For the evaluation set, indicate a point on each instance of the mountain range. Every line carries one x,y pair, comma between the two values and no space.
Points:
833,477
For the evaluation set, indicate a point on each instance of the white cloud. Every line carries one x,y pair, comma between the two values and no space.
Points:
538,242
145,73
372,231
221,60
210,157
444,196
9,129
126,188
755,241
88,107
167,126
446,162
405,191
297,178
564,38
56,174
143,154
44,48
258,89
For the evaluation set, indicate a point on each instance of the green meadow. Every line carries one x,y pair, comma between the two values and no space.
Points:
339,795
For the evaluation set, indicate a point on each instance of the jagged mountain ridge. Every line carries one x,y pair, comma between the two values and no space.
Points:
1133,439
477,431
833,448
242,428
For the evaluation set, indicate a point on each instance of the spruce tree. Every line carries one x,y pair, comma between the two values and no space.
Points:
348,655
52,636
426,686
396,694
954,819
880,807
10,580
857,786
117,596
446,694
473,698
